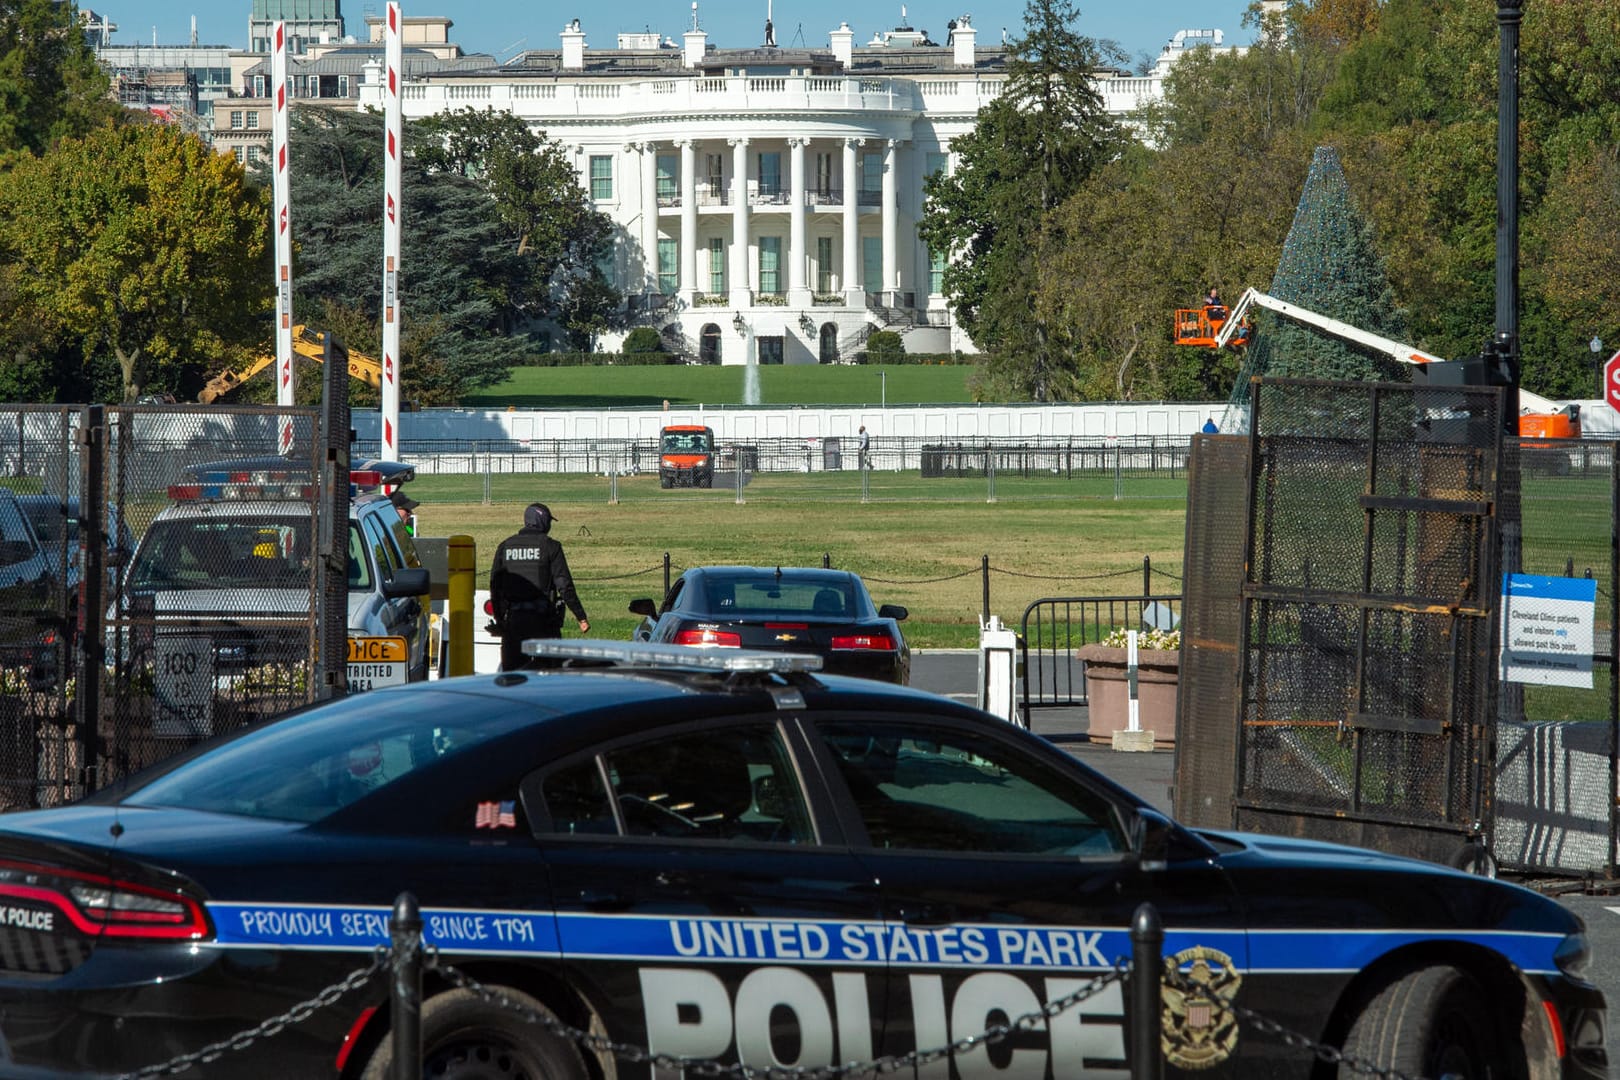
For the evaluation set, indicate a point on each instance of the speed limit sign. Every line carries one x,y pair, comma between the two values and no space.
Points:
1611,381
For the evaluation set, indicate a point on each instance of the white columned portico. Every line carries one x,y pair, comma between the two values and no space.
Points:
891,216
741,293
688,220
798,247
649,215
852,232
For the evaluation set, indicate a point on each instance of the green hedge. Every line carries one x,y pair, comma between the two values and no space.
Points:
950,358
599,359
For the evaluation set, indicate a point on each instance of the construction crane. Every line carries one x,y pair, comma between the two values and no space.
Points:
1215,327
306,343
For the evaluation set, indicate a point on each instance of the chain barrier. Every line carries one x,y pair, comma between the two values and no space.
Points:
383,957
619,577
1067,577
889,1063
921,581
1328,1055
273,1026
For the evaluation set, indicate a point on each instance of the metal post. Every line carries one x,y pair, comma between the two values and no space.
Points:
613,486
462,557
826,560
1147,575
1509,13
737,472
1147,973
984,571
331,577
92,656
666,574
405,933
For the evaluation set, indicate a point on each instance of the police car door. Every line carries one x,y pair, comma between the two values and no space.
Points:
705,901
401,616
1008,884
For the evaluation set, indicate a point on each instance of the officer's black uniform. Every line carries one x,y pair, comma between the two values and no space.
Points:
530,586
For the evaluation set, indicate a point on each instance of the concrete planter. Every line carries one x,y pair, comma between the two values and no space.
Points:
1157,679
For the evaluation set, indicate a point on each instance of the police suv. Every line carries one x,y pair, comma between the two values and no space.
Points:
661,859
221,589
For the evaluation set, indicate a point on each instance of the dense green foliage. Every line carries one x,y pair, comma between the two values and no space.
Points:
50,84
1405,93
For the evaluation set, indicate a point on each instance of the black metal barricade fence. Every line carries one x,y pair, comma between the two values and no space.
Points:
38,587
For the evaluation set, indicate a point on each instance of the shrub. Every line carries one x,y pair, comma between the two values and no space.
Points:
1145,639
884,347
643,339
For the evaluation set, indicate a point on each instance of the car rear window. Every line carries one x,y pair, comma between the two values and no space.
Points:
312,764
768,595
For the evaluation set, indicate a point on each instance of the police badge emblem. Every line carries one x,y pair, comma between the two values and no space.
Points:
1199,1030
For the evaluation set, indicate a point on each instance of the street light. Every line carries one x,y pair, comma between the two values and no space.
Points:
806,322
738,324
1596,345
883,390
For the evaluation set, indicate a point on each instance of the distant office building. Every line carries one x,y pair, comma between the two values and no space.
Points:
309,22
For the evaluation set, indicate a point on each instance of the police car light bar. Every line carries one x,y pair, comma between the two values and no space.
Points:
647,654
236,485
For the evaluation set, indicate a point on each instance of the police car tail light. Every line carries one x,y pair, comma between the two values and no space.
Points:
106,906
857,642
721,638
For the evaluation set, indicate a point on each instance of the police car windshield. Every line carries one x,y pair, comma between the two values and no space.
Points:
309,766
233,553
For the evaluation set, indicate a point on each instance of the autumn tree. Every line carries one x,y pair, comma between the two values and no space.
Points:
142,244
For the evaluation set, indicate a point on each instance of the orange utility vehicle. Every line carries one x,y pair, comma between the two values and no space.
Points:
686,456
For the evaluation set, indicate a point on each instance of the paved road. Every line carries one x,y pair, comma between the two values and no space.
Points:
955,674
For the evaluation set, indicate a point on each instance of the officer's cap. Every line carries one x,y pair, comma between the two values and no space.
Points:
538,516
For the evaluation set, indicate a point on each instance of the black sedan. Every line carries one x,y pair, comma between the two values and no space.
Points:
718,856
825,612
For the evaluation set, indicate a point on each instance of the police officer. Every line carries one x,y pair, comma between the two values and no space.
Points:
530,587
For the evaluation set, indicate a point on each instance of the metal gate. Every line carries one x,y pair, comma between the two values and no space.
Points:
211,624
1365,617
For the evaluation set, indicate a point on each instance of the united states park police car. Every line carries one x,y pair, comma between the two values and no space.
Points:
719,855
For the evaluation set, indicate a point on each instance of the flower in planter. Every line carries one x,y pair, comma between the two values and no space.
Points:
1145,639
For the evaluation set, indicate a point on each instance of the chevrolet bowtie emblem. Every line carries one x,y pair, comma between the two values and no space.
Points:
786,637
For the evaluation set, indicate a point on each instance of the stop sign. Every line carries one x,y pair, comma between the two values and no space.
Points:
1611,381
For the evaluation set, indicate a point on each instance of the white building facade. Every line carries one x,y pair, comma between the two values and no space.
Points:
765,200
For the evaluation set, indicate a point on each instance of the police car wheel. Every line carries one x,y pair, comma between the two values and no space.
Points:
1436,1021
466,1038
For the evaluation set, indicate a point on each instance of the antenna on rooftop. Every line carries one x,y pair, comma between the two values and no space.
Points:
798,36
694,15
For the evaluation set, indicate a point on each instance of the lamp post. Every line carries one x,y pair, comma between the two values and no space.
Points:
883,389
1596,345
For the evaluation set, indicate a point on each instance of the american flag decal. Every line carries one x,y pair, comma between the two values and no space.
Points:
491,815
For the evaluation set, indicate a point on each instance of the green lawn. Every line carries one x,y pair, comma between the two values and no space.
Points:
921,551
797,384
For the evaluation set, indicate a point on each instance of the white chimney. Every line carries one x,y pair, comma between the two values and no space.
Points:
962,42
697,44
573,47
843,44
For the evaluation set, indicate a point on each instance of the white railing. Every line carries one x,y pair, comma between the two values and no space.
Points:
670,96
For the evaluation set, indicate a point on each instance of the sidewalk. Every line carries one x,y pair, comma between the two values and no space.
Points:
1146,774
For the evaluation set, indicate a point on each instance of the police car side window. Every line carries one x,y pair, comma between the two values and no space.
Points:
359,566
735,784
946,790
577,800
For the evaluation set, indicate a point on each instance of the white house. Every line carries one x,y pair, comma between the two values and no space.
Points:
765,199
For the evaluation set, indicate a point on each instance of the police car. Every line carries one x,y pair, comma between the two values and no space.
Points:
225,578
721,856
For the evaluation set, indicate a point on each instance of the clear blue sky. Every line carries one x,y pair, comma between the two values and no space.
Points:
503,26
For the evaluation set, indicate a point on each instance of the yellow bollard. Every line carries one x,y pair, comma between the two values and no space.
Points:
463,566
